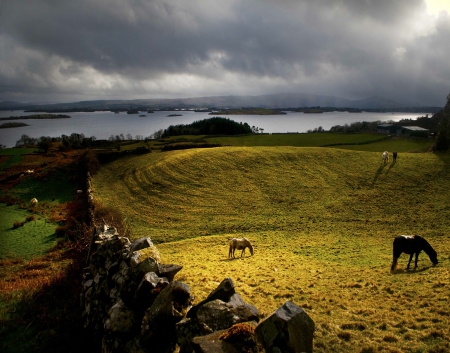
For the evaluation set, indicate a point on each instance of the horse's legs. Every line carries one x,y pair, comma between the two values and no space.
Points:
409,262
243,252
417,257
394,263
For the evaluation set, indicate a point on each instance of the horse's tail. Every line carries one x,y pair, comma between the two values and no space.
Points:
395,252
230,251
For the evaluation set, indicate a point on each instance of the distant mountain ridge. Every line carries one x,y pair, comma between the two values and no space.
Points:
274,101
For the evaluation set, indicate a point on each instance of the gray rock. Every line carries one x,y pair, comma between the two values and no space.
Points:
88,284
121,318
147,265
224,292
289,329
147,291
187,329
140,244
236,300
219,315
213,316
169,271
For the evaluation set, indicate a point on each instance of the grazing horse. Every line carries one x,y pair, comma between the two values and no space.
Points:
412,244
240,244
385,157
394,156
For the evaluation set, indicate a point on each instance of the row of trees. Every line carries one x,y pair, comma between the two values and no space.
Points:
128,137
212,126
75,140
363,126
44,142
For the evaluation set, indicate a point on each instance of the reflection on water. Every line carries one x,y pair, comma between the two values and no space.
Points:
104,124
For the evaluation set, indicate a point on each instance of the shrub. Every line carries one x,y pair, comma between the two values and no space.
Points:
18,224
30,219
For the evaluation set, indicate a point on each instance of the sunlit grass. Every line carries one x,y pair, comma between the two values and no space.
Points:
322,221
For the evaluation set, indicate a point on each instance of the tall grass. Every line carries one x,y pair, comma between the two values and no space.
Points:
322,221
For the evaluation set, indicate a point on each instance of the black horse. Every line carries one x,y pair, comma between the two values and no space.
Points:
412,244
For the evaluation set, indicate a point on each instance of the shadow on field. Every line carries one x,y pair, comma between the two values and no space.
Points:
380,170
411,272
377,174
234,258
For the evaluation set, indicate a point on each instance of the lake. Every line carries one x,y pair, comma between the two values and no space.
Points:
104,124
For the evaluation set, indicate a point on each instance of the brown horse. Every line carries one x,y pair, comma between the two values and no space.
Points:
239,244
412,244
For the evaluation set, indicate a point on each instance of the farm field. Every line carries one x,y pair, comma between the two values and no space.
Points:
362,142
322,221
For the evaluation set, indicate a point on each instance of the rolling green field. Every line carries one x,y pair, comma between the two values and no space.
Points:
33,239
12,156
322,221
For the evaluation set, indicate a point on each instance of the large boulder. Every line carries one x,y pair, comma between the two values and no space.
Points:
147,291
220,310
289,329
224,292
158,332
218,315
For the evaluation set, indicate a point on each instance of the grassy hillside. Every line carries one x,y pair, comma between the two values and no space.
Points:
322,221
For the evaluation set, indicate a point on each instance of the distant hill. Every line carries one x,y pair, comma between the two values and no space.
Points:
273,101
7,105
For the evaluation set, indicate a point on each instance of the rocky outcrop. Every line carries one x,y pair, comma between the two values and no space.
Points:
132,302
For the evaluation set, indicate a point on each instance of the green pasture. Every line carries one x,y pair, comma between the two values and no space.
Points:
398,144
361,142
33,239
13,156
53,189
322,221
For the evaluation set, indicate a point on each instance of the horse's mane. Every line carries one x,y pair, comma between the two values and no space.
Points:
426,246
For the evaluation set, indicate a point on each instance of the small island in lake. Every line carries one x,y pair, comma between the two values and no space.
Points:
37,116
248,111
175,115
9,125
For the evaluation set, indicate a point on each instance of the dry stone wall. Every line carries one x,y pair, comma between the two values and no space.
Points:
134,304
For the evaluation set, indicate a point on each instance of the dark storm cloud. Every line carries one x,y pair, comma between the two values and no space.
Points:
144,49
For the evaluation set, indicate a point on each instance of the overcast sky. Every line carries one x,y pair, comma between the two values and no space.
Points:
66,50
